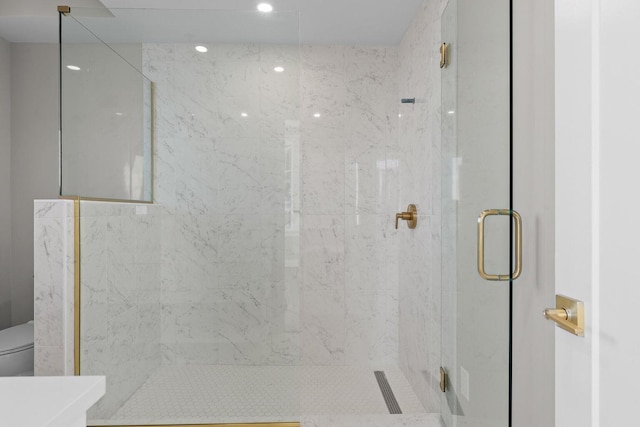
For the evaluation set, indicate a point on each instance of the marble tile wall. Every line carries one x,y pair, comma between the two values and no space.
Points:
120,294
419,177
120,297
349,286
53,287
221,178
277,235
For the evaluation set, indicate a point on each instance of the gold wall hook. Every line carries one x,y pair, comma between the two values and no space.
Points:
411,216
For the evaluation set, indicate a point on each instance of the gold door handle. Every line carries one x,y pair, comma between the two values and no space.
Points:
411,216
568,315
518,243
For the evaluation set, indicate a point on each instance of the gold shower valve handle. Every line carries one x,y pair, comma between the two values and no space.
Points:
411,216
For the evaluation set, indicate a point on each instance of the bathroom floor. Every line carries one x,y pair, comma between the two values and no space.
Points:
193,394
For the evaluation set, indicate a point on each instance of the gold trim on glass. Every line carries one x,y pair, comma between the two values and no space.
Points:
76,285
518,245
443,55
99,199
65,10
153,137
443,380
411,216
274,424
568,315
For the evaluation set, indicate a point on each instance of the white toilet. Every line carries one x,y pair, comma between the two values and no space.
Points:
16,351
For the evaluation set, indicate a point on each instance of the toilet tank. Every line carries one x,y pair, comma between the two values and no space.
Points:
16,350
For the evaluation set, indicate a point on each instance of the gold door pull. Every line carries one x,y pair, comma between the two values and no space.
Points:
518,244
568,315
411,216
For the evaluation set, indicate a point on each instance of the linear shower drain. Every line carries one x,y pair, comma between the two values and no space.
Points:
387,393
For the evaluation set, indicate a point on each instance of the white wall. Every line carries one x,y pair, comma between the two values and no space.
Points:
597,176
574,213
619,229
34,158
5,184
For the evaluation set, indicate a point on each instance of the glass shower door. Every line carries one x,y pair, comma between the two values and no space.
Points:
476,213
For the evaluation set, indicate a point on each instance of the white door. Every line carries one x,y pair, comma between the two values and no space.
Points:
597,200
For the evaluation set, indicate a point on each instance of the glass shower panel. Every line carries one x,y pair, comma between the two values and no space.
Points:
200,291
476,177
106,117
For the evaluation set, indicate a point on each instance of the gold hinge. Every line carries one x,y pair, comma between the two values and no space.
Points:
443,380
443,55
65,10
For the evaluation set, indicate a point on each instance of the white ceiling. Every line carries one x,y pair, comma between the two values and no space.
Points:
364,22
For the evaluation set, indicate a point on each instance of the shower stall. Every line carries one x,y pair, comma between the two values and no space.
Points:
237,253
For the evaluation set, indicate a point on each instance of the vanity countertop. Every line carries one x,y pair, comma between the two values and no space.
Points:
48,401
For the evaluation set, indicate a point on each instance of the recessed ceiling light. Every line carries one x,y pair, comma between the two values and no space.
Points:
73,67
451,112
119,114
201,49
316,115
265,7
244,114
278,69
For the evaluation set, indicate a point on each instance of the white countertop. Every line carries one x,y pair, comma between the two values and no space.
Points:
48,401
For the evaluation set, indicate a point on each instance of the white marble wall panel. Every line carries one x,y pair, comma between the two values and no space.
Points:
323,309
225,295
323,175
53,287
120,297
371,291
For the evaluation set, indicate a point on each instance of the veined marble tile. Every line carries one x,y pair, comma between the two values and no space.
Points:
366,253
49,285
120,298
319,57
52,209
324,100
53,287
366,186
372,96
322,176
227,173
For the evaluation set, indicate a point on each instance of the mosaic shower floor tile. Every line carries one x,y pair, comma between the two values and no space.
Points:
193,394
